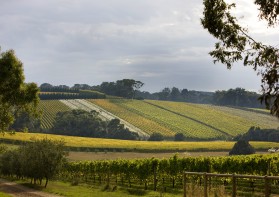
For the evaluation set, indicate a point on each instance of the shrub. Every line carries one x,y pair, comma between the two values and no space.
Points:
179,137
156,137
242,147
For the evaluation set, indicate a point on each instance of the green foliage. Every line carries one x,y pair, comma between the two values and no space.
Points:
15,95
236,45
237,97
258,134
179,137
156,137
122,88
242,147
150,171
37,160
25,122
89,124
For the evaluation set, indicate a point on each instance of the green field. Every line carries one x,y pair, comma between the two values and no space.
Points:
197,121
110,144
194,120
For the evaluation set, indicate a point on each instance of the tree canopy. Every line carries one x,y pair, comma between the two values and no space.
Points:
15,95
235,44
89,124
36,160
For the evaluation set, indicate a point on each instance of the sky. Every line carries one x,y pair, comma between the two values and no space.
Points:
158,42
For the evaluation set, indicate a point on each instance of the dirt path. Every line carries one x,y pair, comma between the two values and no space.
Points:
17,190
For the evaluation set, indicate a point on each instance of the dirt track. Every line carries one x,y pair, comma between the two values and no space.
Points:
16,190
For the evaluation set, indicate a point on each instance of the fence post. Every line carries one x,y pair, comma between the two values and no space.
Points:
184,184
205,185
234,185
266,183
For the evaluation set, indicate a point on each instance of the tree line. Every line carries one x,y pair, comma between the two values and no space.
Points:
125,88
130,88
77,123
258,134
89,124
233,97
81,94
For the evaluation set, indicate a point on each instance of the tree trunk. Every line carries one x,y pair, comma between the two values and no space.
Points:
46,182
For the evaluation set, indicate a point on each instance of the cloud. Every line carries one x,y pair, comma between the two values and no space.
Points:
160,42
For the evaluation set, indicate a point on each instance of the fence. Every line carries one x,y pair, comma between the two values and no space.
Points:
234,177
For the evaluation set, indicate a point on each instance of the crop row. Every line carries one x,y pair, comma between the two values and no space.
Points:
49,109
154,119
194,120
132,116
155,172
227,122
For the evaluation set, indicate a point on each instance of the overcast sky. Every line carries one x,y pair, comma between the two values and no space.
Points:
159,42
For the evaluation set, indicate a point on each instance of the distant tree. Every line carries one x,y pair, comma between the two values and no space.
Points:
127,87
235,44
242,147
237,97
25,121
175,94
89,124
46,86
184,93
156,137
164,94
15,95
179,137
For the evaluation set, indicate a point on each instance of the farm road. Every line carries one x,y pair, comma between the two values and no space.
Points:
17,190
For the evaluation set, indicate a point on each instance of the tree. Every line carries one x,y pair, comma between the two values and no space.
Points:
156,137
15,95
235,44
242,147
179,137
36,160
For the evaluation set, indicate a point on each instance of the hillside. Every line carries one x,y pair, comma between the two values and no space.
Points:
194,120
197,121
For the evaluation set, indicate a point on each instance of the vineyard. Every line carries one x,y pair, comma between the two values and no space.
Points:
167,174
97,144
49,109
194,120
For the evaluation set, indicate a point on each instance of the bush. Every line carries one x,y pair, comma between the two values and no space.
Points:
156,137
179,137
242,147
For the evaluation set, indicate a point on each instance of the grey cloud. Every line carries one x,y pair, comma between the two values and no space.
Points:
160,42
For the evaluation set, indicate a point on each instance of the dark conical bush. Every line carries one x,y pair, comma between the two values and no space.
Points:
242,147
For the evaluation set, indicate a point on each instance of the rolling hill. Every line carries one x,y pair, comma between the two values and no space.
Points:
197,121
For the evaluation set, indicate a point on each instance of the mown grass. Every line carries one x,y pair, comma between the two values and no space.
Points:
128,145
83,190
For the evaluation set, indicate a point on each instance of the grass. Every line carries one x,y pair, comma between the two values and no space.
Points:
84,190
2,194
141,146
